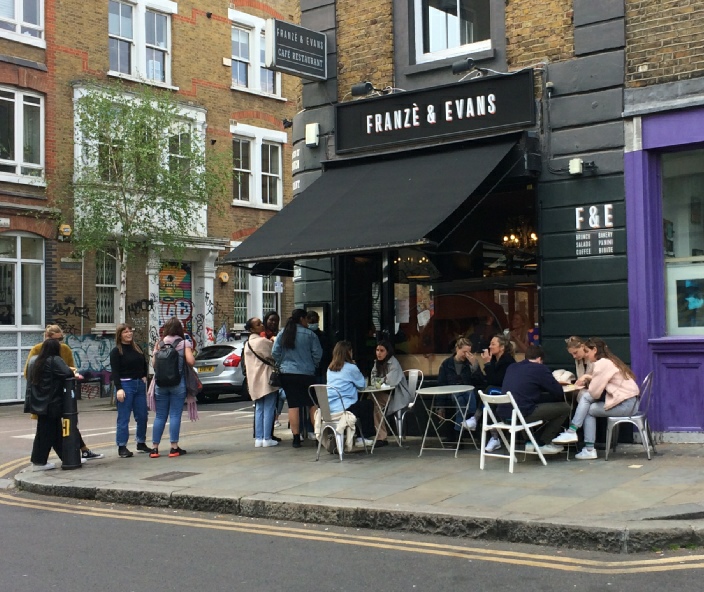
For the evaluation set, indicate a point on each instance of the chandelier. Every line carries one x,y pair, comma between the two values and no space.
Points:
520,236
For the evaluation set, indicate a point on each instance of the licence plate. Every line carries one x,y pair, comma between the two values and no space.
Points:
206,368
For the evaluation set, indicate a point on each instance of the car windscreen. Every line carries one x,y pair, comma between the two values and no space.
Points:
214,352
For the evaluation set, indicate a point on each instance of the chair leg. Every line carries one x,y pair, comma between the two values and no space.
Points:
609,430
320,443
399,425
512,452
340,439
650,435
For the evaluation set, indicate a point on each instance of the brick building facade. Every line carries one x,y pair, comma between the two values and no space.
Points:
211,58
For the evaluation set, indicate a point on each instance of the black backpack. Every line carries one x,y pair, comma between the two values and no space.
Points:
167,364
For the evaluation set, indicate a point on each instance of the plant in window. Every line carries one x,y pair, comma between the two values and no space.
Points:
140,178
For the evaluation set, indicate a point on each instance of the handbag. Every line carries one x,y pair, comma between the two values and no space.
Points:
275,378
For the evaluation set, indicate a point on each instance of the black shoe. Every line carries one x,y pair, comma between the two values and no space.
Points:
123,452
277,439
142,447
296,441
381,443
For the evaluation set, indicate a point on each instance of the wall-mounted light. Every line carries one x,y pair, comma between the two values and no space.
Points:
287,123
464,65
65,232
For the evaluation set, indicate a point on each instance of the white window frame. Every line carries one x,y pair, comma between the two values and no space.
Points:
18,260
462,50
237,289
17,34
18,177
257,32
109,326
258,136
138,60
255,298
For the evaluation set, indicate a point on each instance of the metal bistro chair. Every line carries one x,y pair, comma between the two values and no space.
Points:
415,383
518,424
638,418
321,393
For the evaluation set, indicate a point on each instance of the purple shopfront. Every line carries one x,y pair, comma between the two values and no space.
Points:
664,171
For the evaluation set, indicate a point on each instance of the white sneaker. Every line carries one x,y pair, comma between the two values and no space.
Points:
47,467
471,423
268,443
311,436
567,437
277,424
83,460
492,444
552,449
258,443
586,454
363,442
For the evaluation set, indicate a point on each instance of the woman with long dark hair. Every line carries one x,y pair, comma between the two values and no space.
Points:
388,369
47,373
129,375
612,392
170,399
297,352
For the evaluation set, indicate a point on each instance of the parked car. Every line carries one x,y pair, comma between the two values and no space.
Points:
220,369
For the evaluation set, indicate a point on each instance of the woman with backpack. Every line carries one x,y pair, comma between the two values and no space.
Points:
169,359
297,351
128,367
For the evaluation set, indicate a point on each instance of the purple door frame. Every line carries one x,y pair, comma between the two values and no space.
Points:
677,361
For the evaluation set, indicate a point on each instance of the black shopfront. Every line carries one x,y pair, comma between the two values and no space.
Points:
423,225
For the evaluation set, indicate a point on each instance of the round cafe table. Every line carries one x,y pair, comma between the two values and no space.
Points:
373,391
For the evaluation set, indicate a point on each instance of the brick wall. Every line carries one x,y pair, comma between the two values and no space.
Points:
364,44
538,31
664,41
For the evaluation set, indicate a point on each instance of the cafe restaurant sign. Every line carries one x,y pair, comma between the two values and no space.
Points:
294,50
476,107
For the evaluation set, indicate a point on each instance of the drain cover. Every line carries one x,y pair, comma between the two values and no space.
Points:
170,476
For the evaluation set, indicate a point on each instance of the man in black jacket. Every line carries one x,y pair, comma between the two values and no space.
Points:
539,397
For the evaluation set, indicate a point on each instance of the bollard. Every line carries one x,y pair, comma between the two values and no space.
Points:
69,423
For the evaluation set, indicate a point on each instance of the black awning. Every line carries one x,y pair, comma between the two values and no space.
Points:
373,205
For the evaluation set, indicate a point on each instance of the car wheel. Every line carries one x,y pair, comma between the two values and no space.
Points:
244,393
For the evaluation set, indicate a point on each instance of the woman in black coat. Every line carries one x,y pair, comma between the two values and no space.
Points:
47,373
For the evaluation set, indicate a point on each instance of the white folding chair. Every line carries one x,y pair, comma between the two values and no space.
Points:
639,418
415,382
322,392
517,424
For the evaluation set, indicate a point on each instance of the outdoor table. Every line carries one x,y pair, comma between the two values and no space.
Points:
373,391
427,397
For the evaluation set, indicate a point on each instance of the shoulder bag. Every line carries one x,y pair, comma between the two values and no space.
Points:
274,379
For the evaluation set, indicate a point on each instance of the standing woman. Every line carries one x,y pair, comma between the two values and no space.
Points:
170,399
388,369
257,354
297,351
612,392
47,372
129,375
270,325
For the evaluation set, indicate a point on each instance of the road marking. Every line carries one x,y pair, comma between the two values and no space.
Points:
464,553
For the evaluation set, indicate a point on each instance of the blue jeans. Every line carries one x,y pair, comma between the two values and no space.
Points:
135,403
169,403
264,415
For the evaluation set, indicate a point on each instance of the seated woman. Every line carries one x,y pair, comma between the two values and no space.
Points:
389,371
346,378
575,347
610,379
462,368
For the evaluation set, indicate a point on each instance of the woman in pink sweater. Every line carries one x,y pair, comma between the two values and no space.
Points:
612,392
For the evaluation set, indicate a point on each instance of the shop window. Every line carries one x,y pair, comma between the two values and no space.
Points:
106,293
683,241
248,56
21,280
23,21
139,39
257,166
446,28
240,283
21,136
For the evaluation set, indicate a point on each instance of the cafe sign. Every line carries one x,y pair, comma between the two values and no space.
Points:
483,105
295,50
594,227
